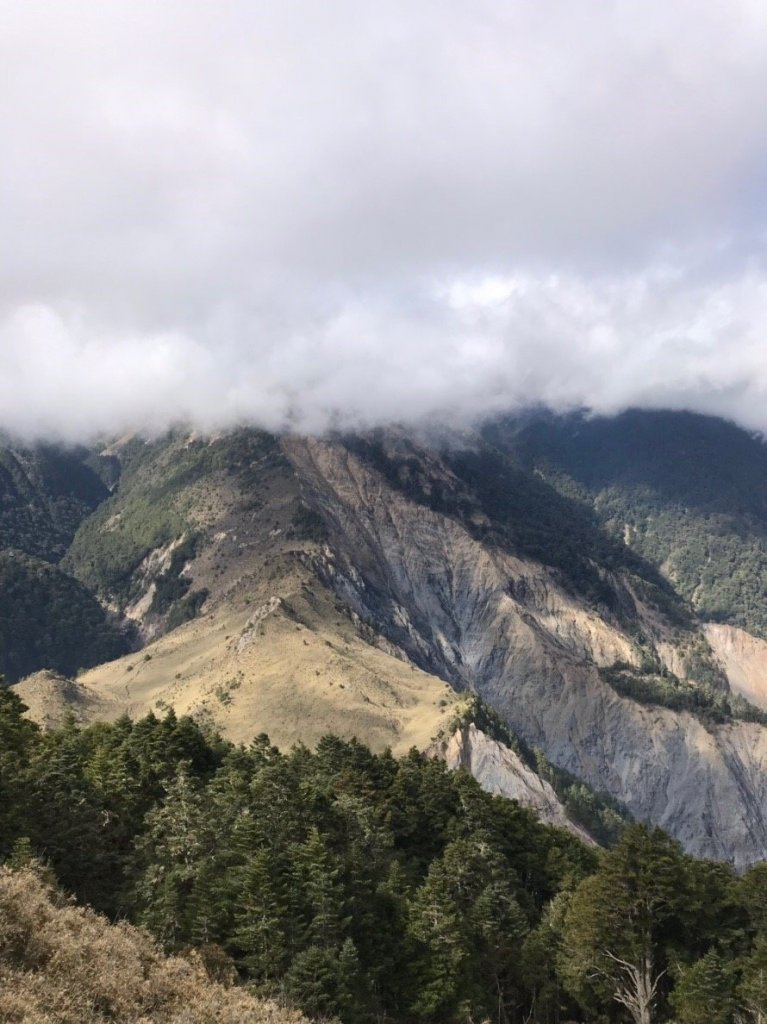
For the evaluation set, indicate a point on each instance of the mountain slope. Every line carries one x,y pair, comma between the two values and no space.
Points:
339,584
688,493
49,620
506,627
283,668
45,493
64,964
273,648
270,648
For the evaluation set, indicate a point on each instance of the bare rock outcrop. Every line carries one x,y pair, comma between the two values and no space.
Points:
501,771
743,658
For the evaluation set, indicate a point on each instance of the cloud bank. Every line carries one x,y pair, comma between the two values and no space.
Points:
315,215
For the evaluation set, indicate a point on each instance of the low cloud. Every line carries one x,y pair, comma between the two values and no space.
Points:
309,216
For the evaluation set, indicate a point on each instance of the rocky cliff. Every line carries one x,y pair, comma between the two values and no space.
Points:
508,629
501,771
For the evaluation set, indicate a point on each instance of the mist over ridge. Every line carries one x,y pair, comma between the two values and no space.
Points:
312,219
363,369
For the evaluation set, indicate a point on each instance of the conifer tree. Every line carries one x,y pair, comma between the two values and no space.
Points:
622,922
704,991
318,874
18,739
325,981
752,991
259,921
172,852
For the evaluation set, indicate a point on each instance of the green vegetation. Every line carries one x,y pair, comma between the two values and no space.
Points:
170,584
371,888
113,542
600,814
712,706
186,609
154,507
49,620
688,493
45,493
308,524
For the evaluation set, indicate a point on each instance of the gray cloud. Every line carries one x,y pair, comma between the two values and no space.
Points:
317,214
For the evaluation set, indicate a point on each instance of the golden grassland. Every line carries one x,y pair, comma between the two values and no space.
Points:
261,669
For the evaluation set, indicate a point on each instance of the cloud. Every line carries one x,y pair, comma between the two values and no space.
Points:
310,215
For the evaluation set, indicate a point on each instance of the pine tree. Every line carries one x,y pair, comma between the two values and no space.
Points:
318,874
499,927
18,740
260,918
704,992
621,921
752,991
173,852
327,982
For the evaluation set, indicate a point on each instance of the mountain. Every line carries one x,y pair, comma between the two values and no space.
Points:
50,619
580,576
686,492
468,595
45,493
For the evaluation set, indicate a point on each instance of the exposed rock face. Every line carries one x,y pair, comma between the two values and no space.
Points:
743,658
502,772
505,627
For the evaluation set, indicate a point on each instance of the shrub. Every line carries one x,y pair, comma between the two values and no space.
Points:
63,963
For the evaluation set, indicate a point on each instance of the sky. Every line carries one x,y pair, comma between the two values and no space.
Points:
313,216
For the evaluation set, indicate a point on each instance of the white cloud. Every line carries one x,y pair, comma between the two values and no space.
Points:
312,214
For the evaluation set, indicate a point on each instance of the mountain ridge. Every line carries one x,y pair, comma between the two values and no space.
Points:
390,557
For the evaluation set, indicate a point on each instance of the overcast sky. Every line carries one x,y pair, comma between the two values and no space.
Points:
304,213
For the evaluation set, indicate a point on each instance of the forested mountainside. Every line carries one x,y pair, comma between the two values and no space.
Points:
360,585
686,492
45,493
49,618
356,886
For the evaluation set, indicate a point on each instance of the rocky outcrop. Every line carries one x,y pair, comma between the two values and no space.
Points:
506,628
743,658
501,771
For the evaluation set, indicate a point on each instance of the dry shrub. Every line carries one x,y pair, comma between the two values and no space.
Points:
62,964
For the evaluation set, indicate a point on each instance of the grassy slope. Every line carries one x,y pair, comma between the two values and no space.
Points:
298,673
64,964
